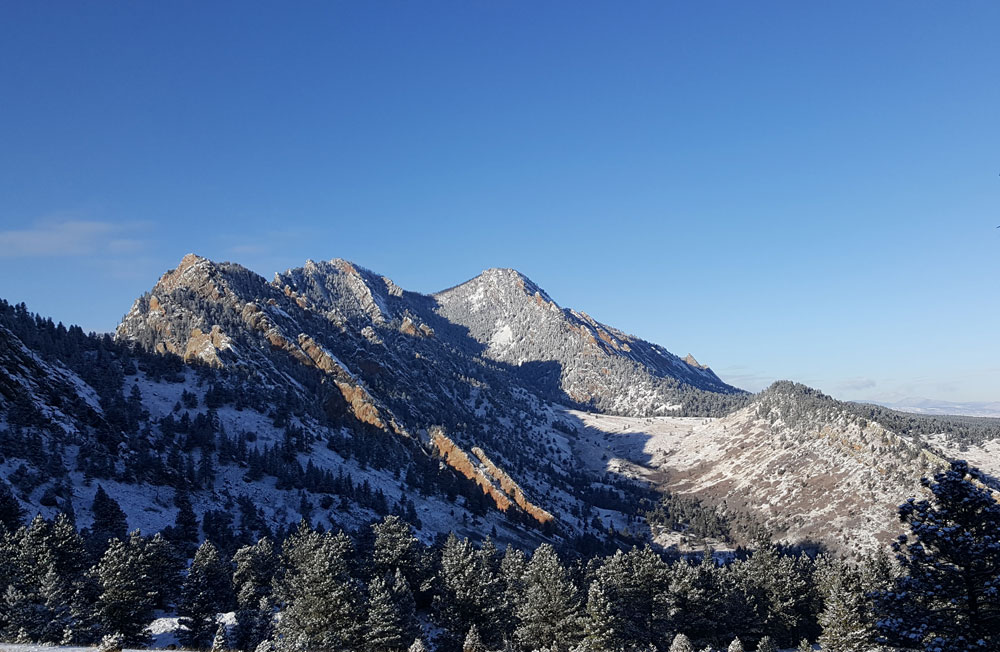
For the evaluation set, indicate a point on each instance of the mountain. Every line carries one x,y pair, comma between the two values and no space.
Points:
805,466
599,366
330,393
988,409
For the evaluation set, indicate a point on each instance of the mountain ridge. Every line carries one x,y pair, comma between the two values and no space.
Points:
333,394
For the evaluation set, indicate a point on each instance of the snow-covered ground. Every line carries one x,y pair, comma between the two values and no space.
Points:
986,457
834,481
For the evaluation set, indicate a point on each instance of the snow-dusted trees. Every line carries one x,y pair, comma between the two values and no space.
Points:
681,643
127,597
334,596
549,611
473,642
322,602
512,568
845,617
629,600
947,597
766,645
42,568
206,592
771,595
391,624
468,593
698,602
395,548
253,578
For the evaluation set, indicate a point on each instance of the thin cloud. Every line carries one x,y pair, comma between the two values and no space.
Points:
857,384
249,249
68,238
742,377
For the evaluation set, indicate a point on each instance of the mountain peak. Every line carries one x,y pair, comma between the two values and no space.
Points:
690,359
500,283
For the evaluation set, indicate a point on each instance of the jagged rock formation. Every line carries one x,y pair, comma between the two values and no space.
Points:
397,364
597,365
332,392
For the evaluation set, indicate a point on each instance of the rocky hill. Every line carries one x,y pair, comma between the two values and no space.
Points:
804,466
330,393
599,366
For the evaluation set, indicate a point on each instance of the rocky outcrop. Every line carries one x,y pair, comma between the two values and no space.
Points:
459,460
206,347
689,359
487,475
511,488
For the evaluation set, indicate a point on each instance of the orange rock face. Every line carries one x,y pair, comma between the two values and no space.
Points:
361,403
511,488
206,346
459,460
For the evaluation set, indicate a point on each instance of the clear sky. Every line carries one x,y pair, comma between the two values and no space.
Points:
792,190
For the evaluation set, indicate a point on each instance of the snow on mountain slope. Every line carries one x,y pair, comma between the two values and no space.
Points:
600,366
331,391
342,337
804,467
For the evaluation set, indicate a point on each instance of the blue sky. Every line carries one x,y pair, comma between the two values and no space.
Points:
785,190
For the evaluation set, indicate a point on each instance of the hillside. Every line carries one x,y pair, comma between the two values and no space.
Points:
808,468
330,393
599,366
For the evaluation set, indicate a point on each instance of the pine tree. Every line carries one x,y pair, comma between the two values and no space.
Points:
473,643
206,592
468,593
57,593
184,533
946,597
735,646
844,617
636,586
549,613
681,643
512,568
775,588
600,631
391,614
23,613
125,604
220,642
697,599
804,646
165,567
766,645
109,523
42,564
112,643
321,599
396,547
256,567
11,513
418,646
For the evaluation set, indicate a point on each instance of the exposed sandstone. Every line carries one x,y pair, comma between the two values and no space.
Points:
206,346
457,459
511,488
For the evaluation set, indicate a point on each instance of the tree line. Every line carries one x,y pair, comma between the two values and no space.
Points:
380,589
